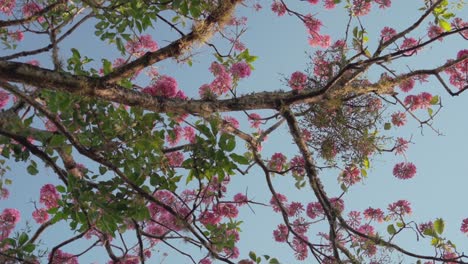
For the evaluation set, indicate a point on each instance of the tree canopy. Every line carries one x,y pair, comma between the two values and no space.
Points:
139,166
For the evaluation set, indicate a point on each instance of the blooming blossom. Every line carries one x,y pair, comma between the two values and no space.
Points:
255,120
410,43
32,8
351,175
281,233
297,165
4,193
420,101
282,199
314,210
16,35
240,70
141,44
464,226
4,98
384,3
175,159
401,146
404,170
8,220
298,81
223,81
7,6
174,136
434,31
49,196
361,7
240,199
407,85
189,134
277,161
165,86
40,215
374,214
398,119
330,4
278,8
61,257
294,209
400,207
387,33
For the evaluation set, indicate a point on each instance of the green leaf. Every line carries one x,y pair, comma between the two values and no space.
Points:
252,256
273,261
391,229
32,168
239,159
23,238
439,225
387,126
430,111
434,100
29,248
60,189
445,25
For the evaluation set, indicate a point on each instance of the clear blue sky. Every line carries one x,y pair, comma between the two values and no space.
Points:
281,44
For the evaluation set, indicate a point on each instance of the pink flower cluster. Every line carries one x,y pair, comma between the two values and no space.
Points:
387,33
298,81
398,119
32,8
401,208
49,196
313,26
61,257
420,101
401,146
277,161
165,86
141,44
240,70
351,175
278,8
404,170
459,72
374,214
407,85
8,220
363,7
464,226
255,120
4,98
40,215
410,44
175,159
7,6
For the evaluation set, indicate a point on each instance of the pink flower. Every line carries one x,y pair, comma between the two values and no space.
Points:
330,4
206,92
294,209
189,134
277,161
165,86
50,126
420,101
399,119
8,220
312,24
374,214
426,226
141,44
407,85
4,98
209,218
278,8
174,136
33,62
301,250
61,257
384,3
410,43
16,35
282,199
387,33
351,175
401,146
240,70
40,215
354,219
464,226
205,261
281,233
7,6
223,81
231,121
240,199
175,159
404,170
4,193
361,7
32,8
297,166
314,2
226,209
400,207
314,210
434,31
255,120
49,196
298,81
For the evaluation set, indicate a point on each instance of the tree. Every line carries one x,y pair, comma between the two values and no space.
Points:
138,164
